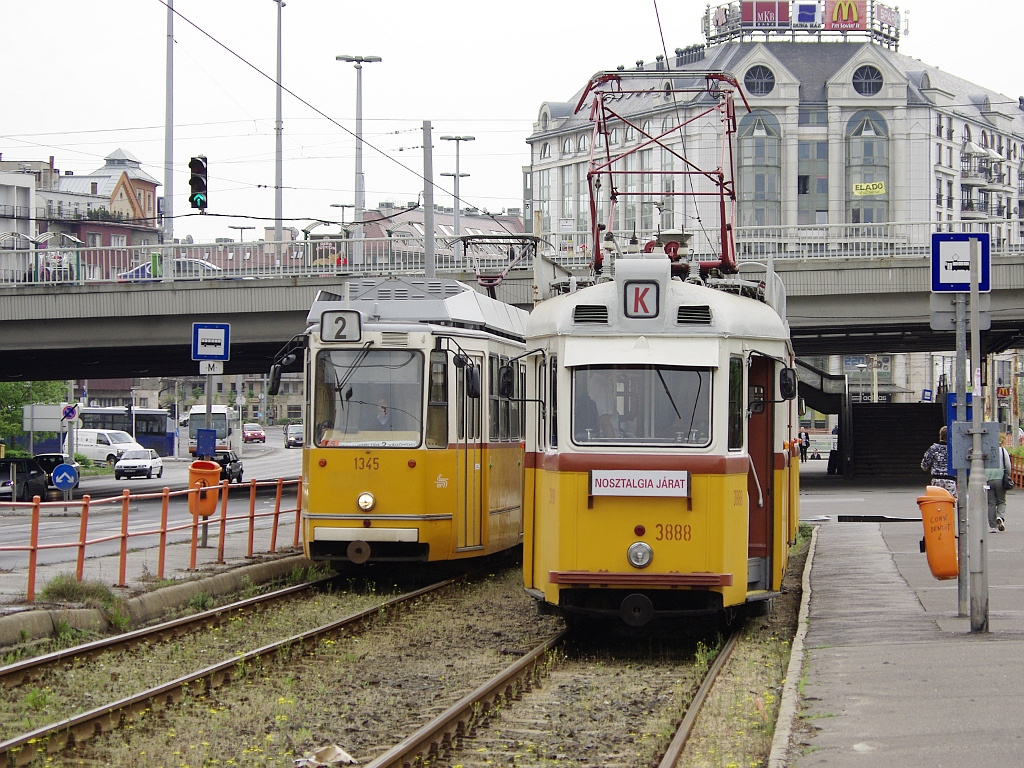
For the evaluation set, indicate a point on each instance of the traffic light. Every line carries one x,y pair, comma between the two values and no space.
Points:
198,182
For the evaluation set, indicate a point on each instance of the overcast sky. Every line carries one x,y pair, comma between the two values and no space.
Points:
83,79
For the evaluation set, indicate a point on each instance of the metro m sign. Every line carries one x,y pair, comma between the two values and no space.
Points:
640,298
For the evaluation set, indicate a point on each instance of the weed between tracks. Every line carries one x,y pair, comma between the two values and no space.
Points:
736,727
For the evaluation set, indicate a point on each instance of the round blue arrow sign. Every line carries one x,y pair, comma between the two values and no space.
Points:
65,477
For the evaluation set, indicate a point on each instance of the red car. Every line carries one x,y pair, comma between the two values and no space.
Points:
253,433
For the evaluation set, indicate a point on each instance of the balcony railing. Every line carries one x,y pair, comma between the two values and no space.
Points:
180,263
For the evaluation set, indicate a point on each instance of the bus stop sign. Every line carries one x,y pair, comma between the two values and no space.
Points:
951,262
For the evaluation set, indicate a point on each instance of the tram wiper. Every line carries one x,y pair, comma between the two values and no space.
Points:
668,393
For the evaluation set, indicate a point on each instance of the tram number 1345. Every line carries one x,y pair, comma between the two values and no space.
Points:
364,464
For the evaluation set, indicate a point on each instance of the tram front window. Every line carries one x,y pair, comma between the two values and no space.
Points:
371,397
642,405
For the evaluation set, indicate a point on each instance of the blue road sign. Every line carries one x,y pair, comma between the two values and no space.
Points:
70,412
951,262
65,477
206,442
211,341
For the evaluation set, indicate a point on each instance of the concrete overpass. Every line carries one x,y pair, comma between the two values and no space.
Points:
111,329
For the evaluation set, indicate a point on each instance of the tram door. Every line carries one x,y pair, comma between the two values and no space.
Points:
469,458
760,429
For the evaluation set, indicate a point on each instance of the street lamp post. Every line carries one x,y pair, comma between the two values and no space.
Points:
360,203
279,144
458,201
861,367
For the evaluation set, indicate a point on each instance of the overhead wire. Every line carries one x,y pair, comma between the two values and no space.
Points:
315,109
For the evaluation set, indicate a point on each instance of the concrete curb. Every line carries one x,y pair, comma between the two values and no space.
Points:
789,706
29,625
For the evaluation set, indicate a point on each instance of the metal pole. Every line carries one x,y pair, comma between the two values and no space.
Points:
279,131
457,250
963,553
429,261
357,235
977,498
168,207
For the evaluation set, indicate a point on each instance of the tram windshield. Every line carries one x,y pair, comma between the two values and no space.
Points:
371,397
642,405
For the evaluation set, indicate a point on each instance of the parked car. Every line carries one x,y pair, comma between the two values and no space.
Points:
24,476
230,466
144,462
293,436
50,461
253,433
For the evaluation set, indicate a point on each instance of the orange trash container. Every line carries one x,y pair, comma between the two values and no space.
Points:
203,474
938,514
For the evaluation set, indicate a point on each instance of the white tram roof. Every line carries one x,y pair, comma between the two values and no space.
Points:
684,310
410,300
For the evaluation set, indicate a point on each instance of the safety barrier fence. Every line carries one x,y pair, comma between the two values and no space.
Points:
1017,471
406,254
198,525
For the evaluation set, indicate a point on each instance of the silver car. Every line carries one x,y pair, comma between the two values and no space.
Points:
139,463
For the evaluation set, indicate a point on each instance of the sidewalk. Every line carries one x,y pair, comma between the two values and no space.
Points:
891,675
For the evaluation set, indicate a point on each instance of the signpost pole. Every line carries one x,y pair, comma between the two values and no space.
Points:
977,497
963,592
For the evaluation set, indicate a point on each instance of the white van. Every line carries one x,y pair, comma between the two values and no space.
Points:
102,445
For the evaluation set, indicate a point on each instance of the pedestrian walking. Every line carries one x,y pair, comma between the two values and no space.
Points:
936,462
805,443
995,488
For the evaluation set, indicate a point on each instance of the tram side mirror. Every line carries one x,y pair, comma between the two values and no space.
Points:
274,380
787,383
506,381
473,381
755,399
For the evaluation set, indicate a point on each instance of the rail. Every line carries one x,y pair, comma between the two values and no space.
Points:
148,264
197,526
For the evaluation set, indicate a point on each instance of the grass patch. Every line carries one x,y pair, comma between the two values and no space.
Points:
66,589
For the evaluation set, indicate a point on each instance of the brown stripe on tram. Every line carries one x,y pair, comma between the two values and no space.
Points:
583,462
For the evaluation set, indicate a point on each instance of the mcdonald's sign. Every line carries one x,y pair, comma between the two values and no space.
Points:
846,15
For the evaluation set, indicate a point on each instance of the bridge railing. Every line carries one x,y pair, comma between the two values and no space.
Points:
406,255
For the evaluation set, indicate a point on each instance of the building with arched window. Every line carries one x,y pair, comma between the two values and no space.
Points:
841,129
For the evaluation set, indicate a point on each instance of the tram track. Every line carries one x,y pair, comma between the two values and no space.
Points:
78,728
411,657
526,715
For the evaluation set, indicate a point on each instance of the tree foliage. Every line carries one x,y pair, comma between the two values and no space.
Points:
15,394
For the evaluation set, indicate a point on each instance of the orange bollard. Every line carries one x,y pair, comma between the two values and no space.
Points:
938,514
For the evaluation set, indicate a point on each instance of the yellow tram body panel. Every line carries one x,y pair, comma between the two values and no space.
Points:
458,505
698,542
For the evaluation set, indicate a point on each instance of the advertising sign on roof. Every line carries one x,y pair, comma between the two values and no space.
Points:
807,15
886,15
763,13
846,15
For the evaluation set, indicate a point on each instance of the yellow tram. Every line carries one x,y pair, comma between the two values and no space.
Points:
410,454
661,479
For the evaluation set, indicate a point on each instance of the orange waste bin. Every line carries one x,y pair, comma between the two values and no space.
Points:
203,475
938,513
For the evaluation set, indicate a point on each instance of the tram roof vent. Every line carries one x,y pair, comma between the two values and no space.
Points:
393,339
694,315
590,313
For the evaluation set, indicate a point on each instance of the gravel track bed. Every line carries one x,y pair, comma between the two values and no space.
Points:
614,708
83,685
362,693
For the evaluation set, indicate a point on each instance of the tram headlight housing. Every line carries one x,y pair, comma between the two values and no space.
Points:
639,554
365,501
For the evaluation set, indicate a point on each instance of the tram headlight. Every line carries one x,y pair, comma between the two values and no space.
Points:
365,501
640,554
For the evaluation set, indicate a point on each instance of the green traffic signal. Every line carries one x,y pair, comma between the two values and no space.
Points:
197,181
